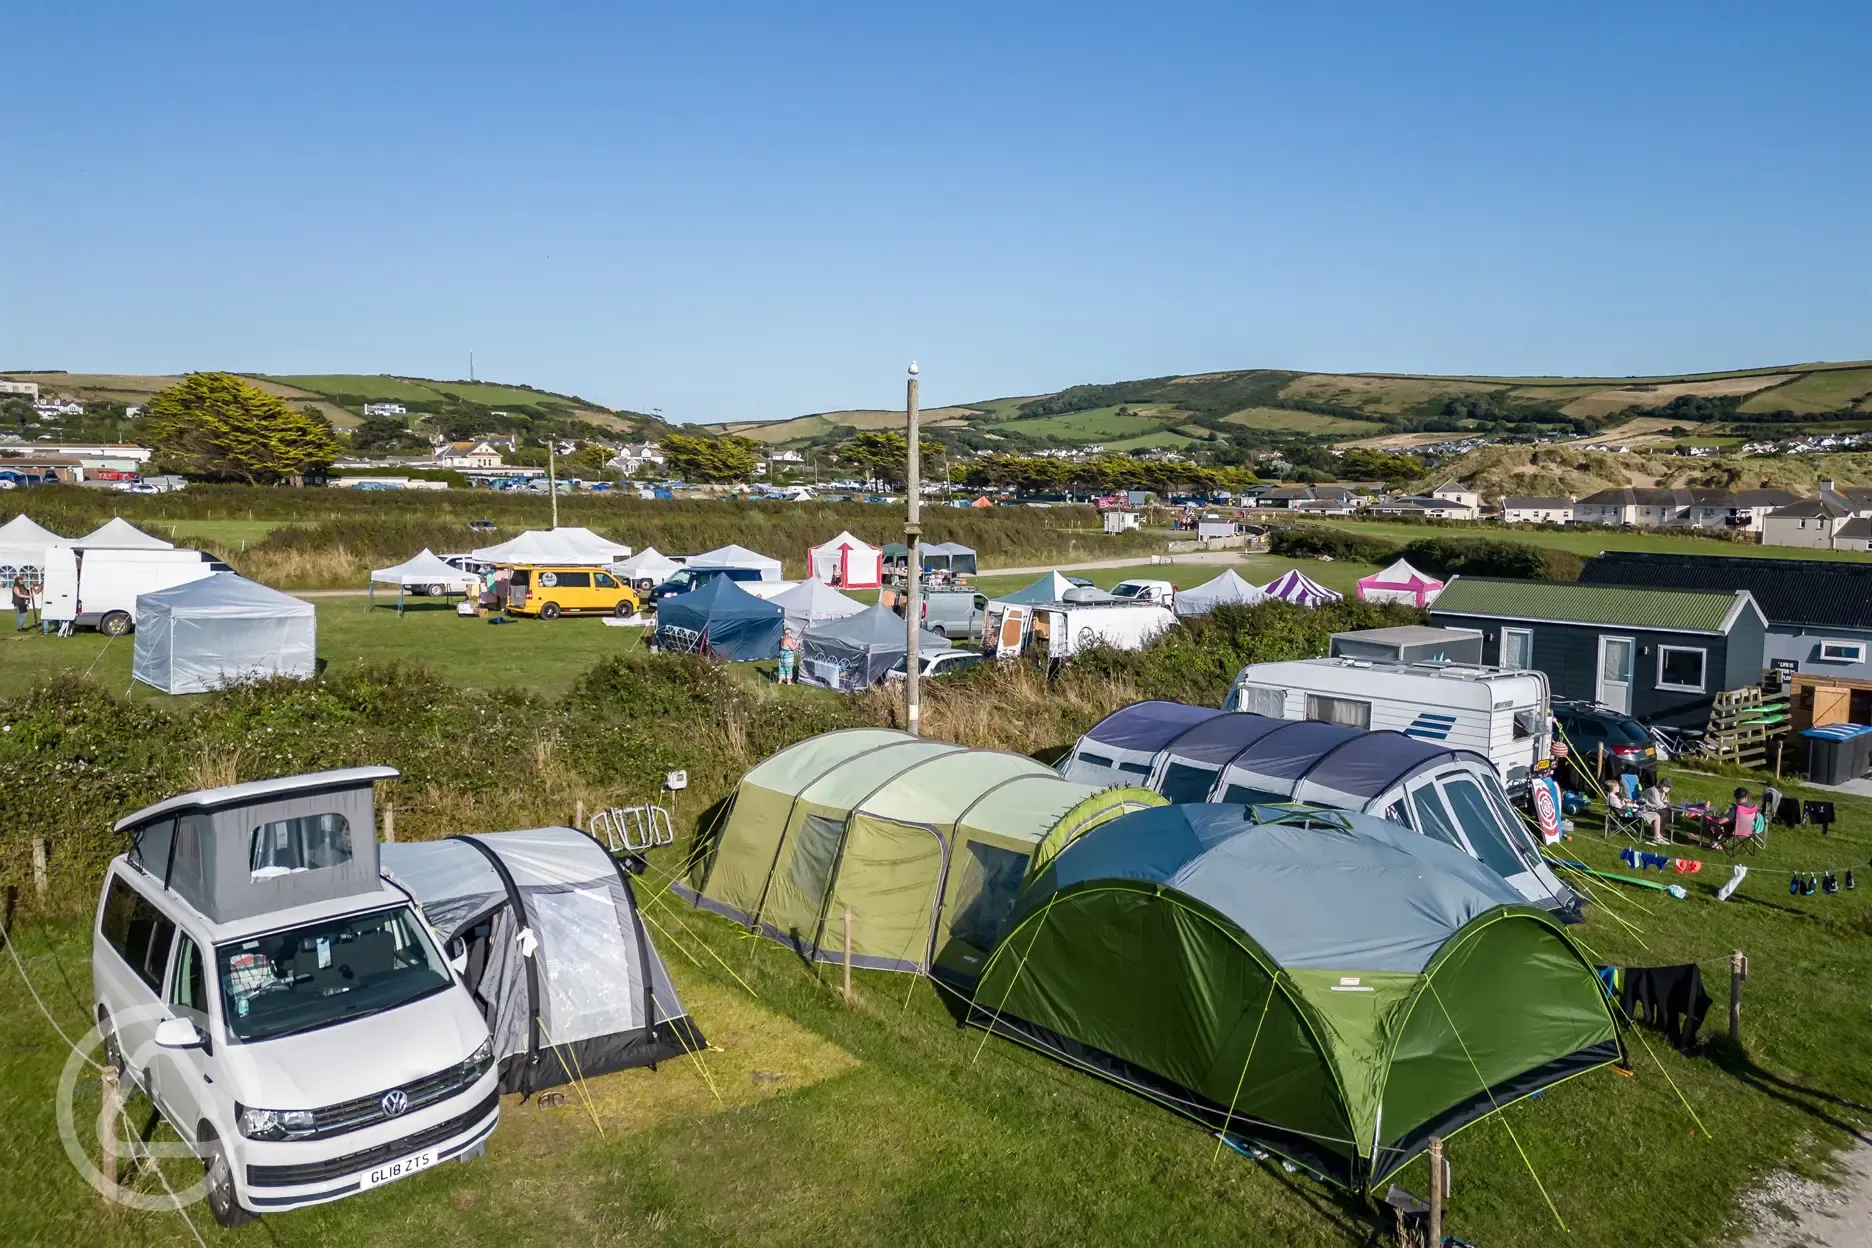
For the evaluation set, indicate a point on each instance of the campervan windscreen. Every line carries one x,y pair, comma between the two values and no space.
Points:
329,972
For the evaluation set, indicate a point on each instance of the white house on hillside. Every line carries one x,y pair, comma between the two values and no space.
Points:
1537,510
385,409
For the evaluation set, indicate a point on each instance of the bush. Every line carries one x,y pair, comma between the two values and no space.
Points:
1309,541
1489,556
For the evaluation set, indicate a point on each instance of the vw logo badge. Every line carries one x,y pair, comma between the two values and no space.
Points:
394,1102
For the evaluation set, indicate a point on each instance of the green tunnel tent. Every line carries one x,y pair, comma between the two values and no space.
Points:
1329,986
927,843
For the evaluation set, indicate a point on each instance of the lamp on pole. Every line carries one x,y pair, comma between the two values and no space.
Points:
913,559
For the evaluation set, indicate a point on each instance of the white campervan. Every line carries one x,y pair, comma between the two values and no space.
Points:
290,1013
98,588
1497,712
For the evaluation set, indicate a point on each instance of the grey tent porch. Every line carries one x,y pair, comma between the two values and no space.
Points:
594,996
855,652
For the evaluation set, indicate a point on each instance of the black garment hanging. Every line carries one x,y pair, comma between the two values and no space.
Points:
1669,998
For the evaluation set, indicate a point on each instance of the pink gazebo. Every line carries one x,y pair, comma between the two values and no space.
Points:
1400,583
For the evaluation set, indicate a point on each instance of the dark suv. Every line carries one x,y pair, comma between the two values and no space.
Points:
1586,728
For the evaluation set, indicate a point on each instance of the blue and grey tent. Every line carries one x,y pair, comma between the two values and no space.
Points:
1195,754
1120,748
721,620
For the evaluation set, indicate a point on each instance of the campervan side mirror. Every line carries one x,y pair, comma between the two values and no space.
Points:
178,1033
458,955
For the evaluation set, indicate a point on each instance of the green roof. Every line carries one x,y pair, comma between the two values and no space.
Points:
1682,610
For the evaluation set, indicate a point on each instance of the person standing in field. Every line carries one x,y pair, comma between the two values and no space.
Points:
22,604
789,656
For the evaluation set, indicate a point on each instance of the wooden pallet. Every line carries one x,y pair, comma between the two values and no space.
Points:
1745,724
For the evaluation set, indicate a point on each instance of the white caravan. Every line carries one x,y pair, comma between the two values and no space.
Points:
1497,712
1062,629
98,588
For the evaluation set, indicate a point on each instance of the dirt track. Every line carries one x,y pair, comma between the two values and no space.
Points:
1792,1212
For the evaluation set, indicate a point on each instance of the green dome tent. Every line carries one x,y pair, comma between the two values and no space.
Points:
925,841
1332,987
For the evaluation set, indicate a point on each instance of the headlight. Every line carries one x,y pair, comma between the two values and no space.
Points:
274,1124
479,1061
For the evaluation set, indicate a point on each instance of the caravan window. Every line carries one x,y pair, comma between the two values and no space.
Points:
1482,826
1349,711
307,843
1259,701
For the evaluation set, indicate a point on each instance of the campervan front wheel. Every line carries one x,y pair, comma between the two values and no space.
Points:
218,1178
549,611
116,624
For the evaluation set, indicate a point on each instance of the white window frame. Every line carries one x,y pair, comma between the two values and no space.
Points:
1701,684
1858,649
1517,632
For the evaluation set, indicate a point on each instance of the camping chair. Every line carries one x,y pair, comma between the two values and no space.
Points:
1743,830
1623,816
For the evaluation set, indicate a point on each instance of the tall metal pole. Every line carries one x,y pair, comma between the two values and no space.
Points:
913,559
552,477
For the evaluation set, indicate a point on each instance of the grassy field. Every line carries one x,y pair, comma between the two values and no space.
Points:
1815,392
1145,441
1592,541
881,1122
1094,424
1296,422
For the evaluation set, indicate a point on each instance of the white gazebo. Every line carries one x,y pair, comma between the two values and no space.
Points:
738,557
648,566
119,534
23,546
425,572
811,602
575,546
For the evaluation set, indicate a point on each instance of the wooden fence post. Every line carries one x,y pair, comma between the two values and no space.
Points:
41,882
1436,1191
389,824
110,1105
1738,971
848,991
578,815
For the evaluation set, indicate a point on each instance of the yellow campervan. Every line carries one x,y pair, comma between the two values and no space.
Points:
550,591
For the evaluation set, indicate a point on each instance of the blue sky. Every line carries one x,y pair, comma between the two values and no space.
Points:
746,211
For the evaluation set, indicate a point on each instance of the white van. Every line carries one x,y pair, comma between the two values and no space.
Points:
289,1013
1500,713
98,588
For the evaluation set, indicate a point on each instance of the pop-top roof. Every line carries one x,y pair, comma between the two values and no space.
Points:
258,790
